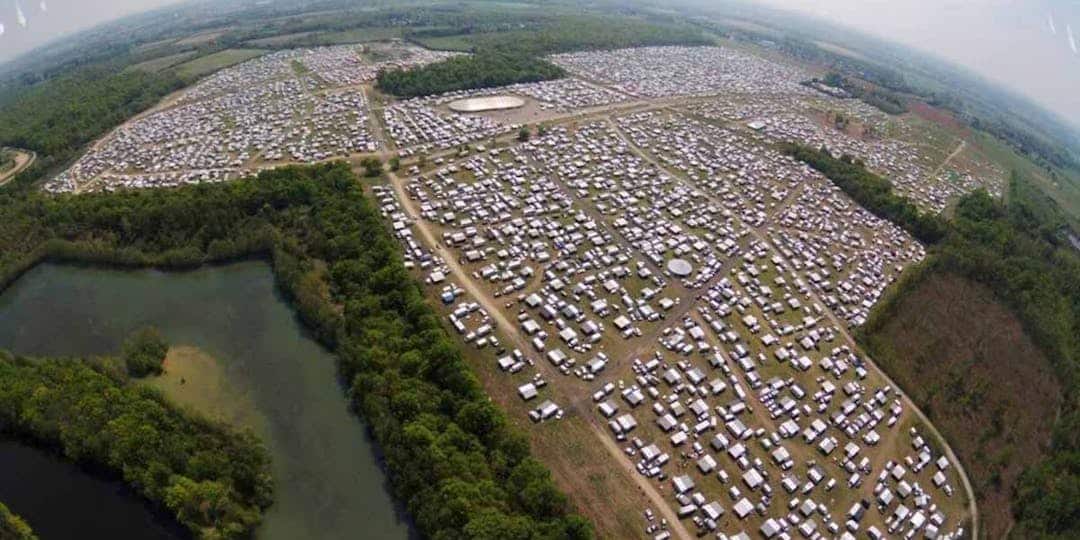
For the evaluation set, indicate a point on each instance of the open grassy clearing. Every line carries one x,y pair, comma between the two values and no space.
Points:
203,38
208,64
965,359
341,37
1063,186
583,470
193,379
283,40
165,62
837,49
446,43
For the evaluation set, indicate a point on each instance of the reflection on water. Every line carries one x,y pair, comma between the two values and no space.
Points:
261,371
60,500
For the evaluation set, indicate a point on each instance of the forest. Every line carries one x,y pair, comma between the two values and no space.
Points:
1018,250
562,33
453,459
214,480
884,100
13,527
483,70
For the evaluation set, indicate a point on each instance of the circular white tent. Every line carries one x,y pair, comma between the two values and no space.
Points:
486,103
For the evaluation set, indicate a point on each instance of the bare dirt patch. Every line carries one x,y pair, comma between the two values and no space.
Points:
940,117
965,359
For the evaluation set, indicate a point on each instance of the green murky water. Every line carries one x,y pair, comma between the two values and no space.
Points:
236,338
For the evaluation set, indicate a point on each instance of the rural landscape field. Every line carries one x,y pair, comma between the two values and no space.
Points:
528,270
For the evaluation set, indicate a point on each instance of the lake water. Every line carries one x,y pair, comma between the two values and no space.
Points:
243,357
62,501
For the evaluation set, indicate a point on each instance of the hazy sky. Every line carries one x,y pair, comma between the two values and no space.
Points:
49,19
1022,44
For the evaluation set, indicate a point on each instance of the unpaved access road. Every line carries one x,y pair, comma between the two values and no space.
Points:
23,160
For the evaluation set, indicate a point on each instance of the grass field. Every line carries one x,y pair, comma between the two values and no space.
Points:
194,379
310,39
208,64
164,62
278,41
1061,185
964,357
202,38
461,43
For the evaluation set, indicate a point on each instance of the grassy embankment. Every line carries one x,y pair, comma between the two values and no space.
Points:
12,527
206,65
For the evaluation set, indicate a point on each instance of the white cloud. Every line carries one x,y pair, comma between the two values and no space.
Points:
1072,40
19,17
1053,29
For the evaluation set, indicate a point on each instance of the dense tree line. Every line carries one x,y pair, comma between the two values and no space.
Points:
884,100
1018,250
578,32
12,527
214,480
452,457
872,192
483,70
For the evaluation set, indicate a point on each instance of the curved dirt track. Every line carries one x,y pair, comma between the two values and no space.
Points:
23,161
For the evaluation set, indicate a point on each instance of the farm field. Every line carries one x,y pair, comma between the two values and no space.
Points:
165,62
311,39
209,64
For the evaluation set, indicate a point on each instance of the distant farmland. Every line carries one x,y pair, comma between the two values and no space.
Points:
165,62
208,64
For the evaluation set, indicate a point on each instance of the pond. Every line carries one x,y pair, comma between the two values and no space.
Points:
238,354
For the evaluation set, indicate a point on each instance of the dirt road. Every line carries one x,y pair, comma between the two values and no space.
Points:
510,331
959,148
23,161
